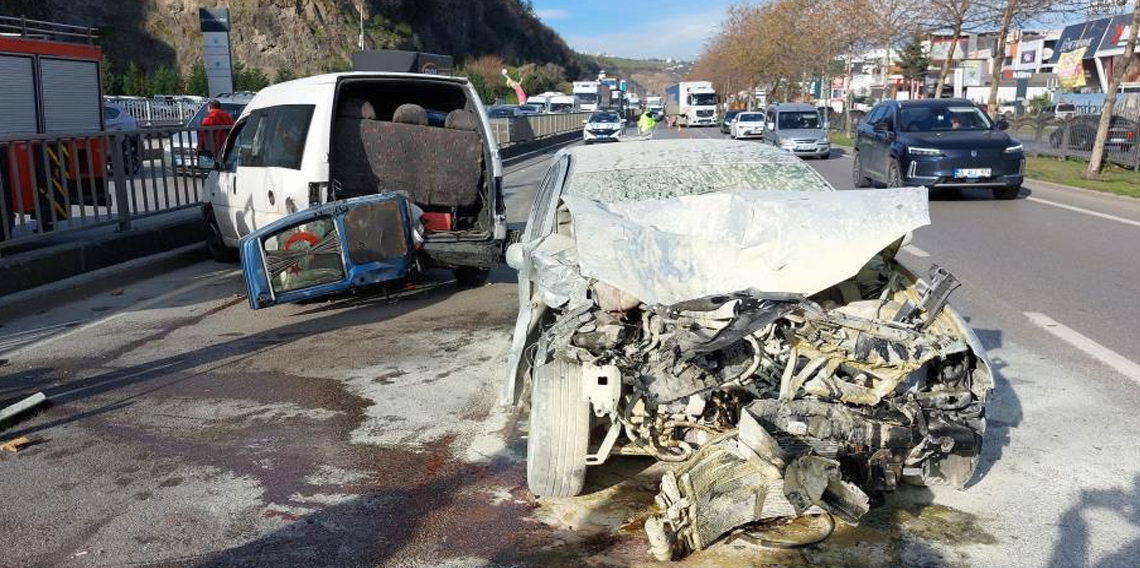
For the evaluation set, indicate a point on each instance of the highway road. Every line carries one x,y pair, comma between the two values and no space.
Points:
187,430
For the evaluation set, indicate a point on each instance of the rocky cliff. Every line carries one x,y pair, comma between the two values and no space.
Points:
308,36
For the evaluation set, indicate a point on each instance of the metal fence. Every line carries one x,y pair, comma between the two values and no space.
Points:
1073,137
53,184
157,112
518,129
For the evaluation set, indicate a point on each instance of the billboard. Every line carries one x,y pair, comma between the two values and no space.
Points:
1070,68
940,48
215,26
1029,55
973,72
1085,36
1115,36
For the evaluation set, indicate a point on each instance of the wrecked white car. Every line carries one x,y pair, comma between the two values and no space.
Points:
718,304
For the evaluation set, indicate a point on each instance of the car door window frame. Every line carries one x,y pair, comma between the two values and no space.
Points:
231,155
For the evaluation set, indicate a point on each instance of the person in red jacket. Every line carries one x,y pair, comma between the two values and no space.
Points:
210,142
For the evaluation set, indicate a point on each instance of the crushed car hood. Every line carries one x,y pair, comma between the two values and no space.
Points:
671,250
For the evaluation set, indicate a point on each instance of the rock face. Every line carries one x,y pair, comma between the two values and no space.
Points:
308,36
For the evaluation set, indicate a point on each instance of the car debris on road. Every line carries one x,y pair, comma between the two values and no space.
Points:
766,341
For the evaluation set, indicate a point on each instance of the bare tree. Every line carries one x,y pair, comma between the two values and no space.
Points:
1008,13
891,22
1119,69
957,16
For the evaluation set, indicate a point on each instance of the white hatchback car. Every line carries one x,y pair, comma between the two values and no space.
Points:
310,141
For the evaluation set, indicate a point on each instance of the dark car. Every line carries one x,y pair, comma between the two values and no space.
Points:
726,121
1122,133
937,143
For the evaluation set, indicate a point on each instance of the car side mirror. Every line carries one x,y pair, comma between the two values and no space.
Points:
1002,125
585,122
515,256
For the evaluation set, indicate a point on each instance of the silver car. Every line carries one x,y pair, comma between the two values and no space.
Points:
718,304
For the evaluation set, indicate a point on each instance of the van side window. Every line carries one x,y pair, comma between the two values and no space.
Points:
277,136
234,147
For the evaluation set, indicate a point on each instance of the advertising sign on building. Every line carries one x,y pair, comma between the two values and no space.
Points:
940,48
972,72
215,26
1084,36
1070,68
1115,37
1029,55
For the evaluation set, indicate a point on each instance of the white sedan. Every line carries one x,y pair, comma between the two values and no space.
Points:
748,125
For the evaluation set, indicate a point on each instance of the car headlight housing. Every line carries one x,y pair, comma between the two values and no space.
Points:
1015,149
917,151
824,140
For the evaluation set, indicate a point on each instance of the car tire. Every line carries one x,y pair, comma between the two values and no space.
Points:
894,175
215,245
857,173
471,275
826,156
559,431
1010,192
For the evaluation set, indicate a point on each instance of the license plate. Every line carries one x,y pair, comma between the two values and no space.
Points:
972,173
804,148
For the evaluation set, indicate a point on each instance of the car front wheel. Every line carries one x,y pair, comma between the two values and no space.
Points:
857,173
214,243
559,431
1010,192
894,176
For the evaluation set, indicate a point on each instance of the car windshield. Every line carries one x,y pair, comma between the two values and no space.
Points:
796,120
728,116
750,117
501,112
561,107
604,117
942,119
702,99
232,109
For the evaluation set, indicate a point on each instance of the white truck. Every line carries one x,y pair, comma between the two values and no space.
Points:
655,105
692,103
586,95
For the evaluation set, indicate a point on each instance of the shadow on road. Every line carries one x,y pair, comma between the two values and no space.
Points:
1003,412
1073,550
971,194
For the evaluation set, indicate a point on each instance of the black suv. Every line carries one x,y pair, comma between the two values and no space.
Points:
937,143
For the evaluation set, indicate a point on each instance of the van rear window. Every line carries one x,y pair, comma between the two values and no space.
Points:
279,134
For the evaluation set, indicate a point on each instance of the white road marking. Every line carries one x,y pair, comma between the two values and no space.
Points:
1085,211
1097,351
132,308
916,251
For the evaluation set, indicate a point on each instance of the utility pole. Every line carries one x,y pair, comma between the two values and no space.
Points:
360,10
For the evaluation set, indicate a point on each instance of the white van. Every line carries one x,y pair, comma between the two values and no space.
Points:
310,141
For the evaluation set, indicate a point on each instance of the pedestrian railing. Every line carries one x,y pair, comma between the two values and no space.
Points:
514,130
157,112
1073,137
52,184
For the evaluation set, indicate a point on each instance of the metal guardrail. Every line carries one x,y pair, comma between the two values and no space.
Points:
157,112
1073,137
54,184
508,131
39,29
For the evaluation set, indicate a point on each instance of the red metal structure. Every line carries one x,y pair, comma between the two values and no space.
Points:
52,155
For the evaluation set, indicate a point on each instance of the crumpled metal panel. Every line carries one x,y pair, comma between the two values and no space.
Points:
671,250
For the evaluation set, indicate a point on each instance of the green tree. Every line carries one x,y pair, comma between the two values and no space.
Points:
167,81
250,79
112,82
196,84
913,61
284,74
486,92
136,83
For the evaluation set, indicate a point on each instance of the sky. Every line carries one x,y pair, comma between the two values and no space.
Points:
634,28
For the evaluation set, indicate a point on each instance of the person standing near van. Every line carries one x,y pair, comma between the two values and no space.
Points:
210,142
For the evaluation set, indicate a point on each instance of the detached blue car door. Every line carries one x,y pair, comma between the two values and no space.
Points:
328,250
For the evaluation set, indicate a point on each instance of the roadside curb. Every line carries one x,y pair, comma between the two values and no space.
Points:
41,269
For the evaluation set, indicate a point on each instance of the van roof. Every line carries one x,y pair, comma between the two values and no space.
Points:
289,90
791,106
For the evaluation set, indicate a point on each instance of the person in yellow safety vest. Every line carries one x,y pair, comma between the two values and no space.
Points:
645,123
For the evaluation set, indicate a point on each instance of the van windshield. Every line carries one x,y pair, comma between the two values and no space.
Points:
702,99
797,120
586,98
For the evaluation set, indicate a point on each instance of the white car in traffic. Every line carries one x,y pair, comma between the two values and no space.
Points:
603,126
748,125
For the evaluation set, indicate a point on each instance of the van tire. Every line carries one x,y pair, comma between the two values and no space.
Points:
559,431
471,275
214,243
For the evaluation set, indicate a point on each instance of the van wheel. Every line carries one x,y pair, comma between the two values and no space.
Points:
559,431
860,179
471,275
214,243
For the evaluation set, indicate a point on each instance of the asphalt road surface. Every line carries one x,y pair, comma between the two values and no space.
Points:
187,430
